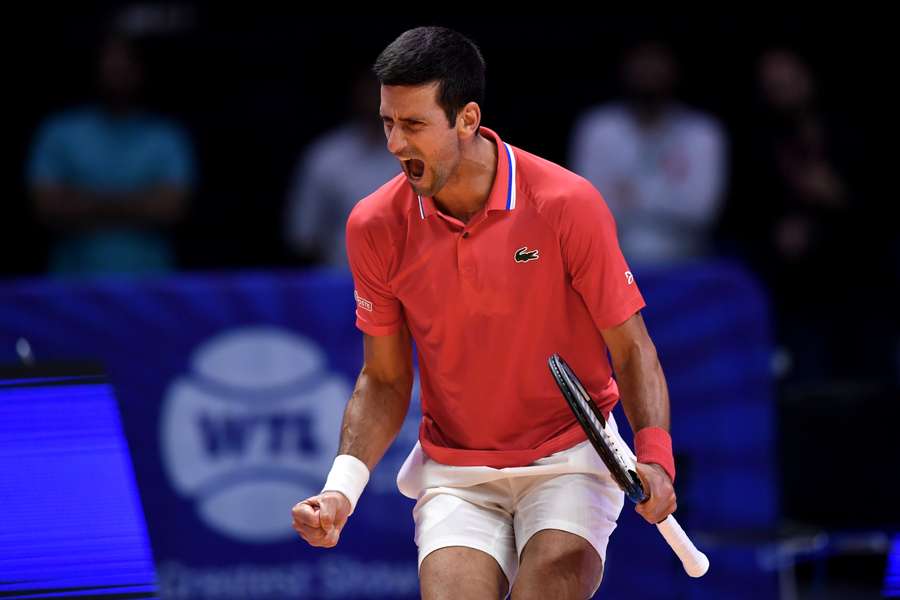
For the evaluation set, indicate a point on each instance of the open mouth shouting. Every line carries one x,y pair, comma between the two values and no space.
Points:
414,169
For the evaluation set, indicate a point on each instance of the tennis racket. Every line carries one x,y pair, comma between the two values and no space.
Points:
621,463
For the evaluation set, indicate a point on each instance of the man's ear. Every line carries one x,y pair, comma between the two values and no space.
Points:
468,119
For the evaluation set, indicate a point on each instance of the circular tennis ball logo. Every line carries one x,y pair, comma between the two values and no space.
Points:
252,429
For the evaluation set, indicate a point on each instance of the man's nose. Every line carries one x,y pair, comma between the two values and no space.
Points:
396,141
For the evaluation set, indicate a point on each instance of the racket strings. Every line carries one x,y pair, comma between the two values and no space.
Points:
593,412
621,469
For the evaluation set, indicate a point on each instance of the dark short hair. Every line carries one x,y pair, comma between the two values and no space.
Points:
427,54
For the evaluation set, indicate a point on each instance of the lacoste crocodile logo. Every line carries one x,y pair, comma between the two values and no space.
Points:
523,254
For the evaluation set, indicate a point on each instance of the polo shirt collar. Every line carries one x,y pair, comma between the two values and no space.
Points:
503,191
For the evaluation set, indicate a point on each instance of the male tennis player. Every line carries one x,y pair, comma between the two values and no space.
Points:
491,259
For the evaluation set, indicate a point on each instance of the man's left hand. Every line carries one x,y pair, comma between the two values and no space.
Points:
657,485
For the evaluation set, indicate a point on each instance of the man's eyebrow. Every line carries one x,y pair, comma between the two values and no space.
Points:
405,119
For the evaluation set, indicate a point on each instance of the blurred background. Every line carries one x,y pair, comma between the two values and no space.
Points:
171,252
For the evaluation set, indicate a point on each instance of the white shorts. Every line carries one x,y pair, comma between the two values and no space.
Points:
498,510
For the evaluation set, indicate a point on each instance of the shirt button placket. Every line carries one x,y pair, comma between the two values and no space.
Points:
464,256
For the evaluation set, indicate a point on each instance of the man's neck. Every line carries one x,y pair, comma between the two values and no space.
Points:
467,192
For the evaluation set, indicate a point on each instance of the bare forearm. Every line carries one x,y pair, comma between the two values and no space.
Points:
373,418
645,395
645,398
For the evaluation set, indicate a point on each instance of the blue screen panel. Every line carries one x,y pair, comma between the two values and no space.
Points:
71,524
892,573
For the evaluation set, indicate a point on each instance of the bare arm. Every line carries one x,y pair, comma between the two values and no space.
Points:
63,207
378,406
645,398
372,419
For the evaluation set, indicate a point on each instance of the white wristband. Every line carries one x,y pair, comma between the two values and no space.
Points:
349,476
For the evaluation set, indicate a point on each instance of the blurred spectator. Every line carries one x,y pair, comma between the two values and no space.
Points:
660,165
798,214
336,171
109,180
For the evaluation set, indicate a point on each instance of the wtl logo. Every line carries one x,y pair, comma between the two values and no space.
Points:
234,435
250,427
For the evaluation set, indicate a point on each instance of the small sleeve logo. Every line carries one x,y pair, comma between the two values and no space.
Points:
629,278
362,302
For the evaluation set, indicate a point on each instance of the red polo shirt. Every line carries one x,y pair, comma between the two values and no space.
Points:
537,271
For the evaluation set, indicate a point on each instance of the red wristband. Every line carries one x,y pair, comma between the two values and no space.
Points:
654,445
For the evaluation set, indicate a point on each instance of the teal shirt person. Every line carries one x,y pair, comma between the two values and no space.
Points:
111,162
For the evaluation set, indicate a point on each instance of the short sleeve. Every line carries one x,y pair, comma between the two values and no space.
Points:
378,311
594,260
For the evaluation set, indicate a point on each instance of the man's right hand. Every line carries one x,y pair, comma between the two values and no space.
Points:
319,519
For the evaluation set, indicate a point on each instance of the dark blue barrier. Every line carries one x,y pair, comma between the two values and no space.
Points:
232,389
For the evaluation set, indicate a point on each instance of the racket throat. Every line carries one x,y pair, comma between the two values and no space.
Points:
637,494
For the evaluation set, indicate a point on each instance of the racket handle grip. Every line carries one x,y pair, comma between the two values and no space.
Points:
695,562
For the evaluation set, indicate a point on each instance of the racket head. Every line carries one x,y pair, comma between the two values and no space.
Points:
593,423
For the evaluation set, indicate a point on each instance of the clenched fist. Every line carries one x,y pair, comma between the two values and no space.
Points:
319,519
